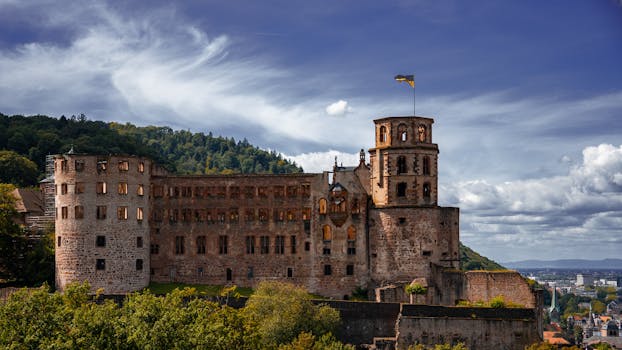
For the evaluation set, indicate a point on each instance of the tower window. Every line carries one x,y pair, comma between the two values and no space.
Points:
179,245
401,130
139,264
322,206
79,165
101,212
383,134
327,234
229,274
328,270
264,242
100,241
349,270
290,272
250,244
401,165
401,189
426,165
100,264
222,244
426,190
279,245
422,133
201,244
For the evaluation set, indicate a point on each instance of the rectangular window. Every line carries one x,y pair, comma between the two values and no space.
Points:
306,190
249,215
102,165
306,213
200,215
250,244
79,165
179,245
290,272
79,211
122,188
328,270
100,241
63,189
279,215
79,187
279,245
157,215
58,241
229,274
326,251
158,191
292,191
186,215
122,213
234,217
139,214
307,246
100,264
263,215
101,187
139,242
199,192
139,264
262,192
173,214
234,192
124,165
221,217
141,167
101,212
140,190
223,244
201,242
291,214
64,213
264,242
249,192
154,249
349,270
351,250
250,272
279,192
292,242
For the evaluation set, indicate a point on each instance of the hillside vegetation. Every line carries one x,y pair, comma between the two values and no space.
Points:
471,260
181,151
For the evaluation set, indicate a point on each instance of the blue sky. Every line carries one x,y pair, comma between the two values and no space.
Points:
527,95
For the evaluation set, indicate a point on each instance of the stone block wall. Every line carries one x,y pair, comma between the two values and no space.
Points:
485,285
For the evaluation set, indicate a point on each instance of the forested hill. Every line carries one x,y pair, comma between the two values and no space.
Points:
471,260
181,151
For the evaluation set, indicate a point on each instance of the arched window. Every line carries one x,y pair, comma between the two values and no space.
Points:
401,165
421,130
327,233
401,189
323,204
356,209
402,131
351,233
426,190
383,134
426,165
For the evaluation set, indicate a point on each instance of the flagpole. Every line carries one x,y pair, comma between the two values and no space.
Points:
414,99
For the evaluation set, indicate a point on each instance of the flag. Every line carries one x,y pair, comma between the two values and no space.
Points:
410,79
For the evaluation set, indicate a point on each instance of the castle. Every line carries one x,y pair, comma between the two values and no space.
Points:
123,222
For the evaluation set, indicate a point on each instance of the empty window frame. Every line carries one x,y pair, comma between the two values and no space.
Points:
250,244
401,189
201,243
102,165
322,206
141,167
63,188
292,242
140,190
328,270
279,245
122,188
349,270
154,249
139,214
79,165
264,244
100,241
382,134
327,233
101,188
139,264
79,212
223,244
101,212
122,213
79,187
180,247
402,131
401,165
64,212
426,191
426,165
139,242
124,165
100,264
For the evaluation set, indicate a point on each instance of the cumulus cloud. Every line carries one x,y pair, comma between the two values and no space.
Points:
338,108
316,162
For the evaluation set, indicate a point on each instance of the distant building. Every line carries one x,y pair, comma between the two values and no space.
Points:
30,207
585,279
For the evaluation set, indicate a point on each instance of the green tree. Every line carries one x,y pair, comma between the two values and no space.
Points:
598,306
282,311
17,170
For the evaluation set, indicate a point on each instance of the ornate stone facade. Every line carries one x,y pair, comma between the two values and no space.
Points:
122,221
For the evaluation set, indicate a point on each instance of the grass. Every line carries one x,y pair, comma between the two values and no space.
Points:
210,290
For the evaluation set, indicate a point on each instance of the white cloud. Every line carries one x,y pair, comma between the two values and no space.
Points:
316,162
338,108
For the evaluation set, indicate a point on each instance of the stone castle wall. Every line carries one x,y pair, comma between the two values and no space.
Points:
486,285
100,235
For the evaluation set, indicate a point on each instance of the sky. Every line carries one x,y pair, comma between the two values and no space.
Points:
526,95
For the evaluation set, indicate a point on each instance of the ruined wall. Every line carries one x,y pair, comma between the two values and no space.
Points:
478,328
102,234
405,242
485,285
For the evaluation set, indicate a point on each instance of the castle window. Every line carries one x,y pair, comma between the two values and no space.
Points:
141,167
426,253
200,271
322,206
307,226
292,191
173,214
122,213
79,212
221,191
100,264
139,214
351,233
422,133
186,215
79,165
426,190
328,270
262,192
64,212
100,241
122,188
234,216
157,215
79,187
279,215
101,212
223,245
279,192
140,190
186,191
292,242
139,264
383,134
58,241
63,165
356,208
401,130
349,270
124,165
158,191
101,188
154,249
250,272
249,192
263,214
306,213
201,242
198,192
306,190
102,165
401,165
221,216
401,221
291,214
249,215
401,189
234,192
264,242
250,244
426,165
229,274
290,272
327,234
63,189
139,242
307,246
351,248
279,245
326,251
179,245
